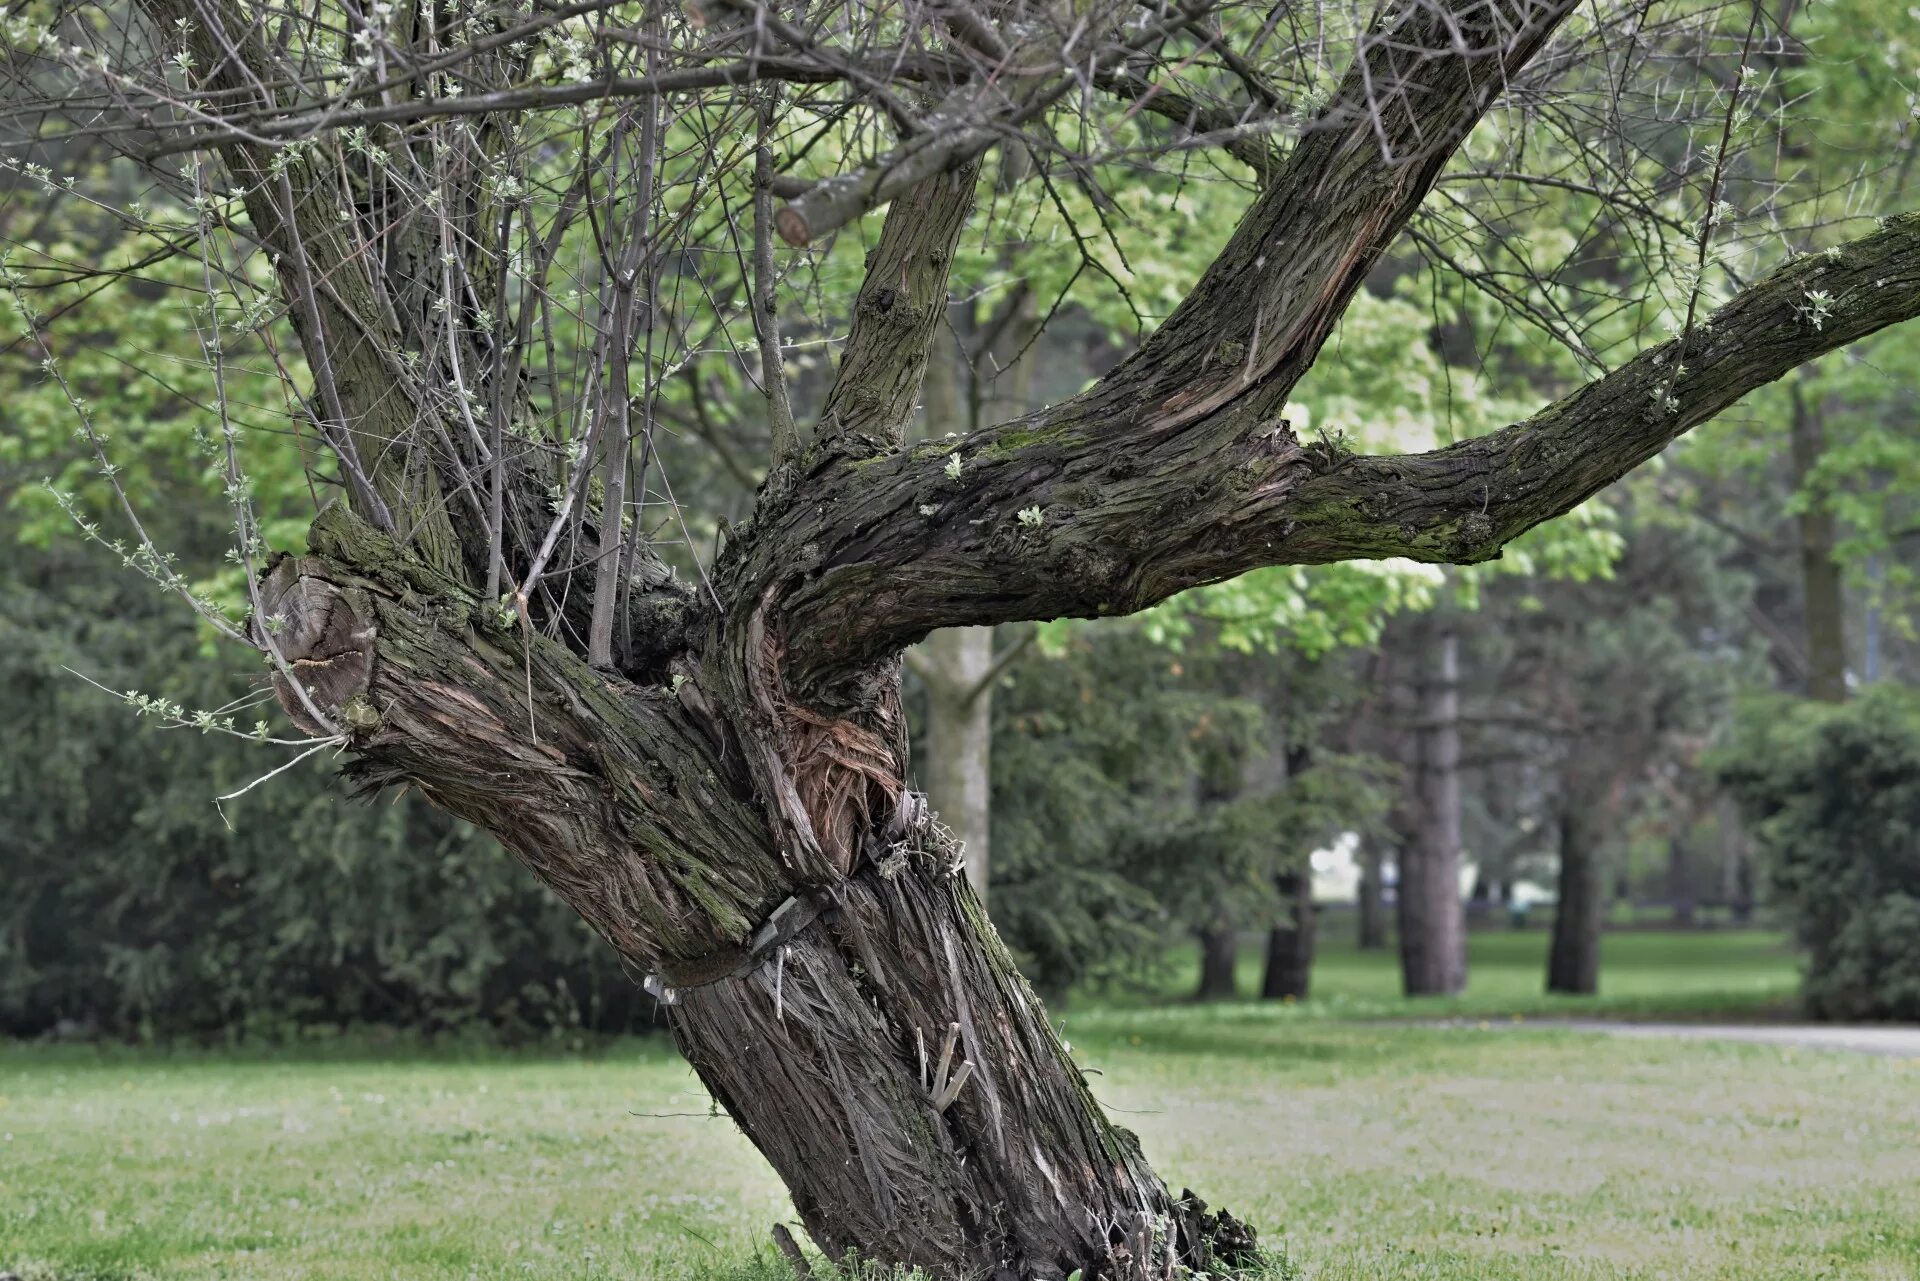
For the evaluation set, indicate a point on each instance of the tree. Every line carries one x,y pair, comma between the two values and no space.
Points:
959,666
1607,692
711,770
1433,927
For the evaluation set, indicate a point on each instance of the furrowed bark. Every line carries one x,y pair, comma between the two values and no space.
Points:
638,804
1132,508
902,302
729,809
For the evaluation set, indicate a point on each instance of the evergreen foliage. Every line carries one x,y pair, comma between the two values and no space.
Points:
1835,795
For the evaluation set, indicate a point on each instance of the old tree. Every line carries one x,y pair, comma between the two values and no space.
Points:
498,233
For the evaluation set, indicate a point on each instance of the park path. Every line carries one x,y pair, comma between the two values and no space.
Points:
1894,1042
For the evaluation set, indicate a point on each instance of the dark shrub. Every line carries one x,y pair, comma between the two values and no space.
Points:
1834,793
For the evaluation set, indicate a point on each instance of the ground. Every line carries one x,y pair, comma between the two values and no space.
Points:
1383,1151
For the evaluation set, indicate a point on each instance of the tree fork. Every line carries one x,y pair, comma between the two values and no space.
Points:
636,805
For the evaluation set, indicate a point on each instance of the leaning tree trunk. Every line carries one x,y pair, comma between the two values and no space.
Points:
1573,960
829,973
1433,940
722,797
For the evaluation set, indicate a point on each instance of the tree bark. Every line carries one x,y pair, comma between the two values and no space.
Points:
813,966
1289,970
1371,899
1824,593
1573,958
726,804
1433,940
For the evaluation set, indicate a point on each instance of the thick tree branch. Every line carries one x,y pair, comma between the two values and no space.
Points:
1043,517
1175,431
1463,503
901,303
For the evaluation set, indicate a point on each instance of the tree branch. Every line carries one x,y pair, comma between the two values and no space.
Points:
901,302
1047,517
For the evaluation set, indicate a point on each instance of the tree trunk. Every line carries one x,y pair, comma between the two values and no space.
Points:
1371,899
955,664
1825,599
1289,972
1680,882
958,771
1219,951
1433,941
1573,960
799,912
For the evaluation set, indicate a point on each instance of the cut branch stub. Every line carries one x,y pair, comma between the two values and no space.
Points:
326,641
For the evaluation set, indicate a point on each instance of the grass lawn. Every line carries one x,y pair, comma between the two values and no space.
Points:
1370,1151
1742,974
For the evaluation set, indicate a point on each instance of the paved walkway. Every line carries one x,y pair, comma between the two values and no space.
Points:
1893,1041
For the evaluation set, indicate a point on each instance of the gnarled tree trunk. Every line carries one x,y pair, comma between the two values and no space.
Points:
715,779
837,989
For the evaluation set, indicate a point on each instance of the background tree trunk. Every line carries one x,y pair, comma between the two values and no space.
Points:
1680,881
1371,906
958,766
955,664
1433,938
1825,597
1573,959
1289,971
1219,951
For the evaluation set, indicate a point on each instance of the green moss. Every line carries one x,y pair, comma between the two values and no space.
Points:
1013,441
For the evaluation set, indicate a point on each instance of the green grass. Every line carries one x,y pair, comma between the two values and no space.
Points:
1369,1151
1704,973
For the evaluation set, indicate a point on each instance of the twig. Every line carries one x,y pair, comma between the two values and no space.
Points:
791,1248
